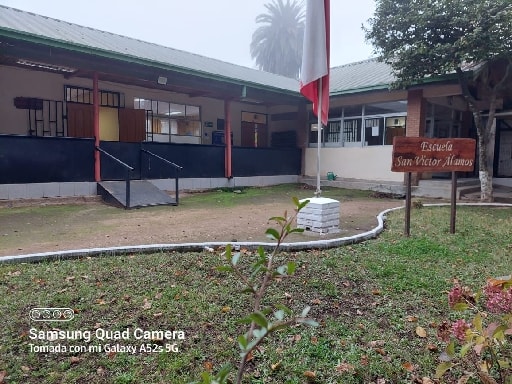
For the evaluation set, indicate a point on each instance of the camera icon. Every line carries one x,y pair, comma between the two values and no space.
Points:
51,314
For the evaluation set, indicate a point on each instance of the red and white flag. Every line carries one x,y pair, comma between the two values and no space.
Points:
315,56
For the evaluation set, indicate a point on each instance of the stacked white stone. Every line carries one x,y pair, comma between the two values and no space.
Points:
321,215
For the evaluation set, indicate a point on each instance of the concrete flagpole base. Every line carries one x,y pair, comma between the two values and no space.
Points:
320,215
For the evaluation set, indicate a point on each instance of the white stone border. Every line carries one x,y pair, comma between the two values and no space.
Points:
198,247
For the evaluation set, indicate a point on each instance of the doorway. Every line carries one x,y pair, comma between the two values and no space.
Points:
254,134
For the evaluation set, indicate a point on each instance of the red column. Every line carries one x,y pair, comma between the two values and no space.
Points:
96,108
227,139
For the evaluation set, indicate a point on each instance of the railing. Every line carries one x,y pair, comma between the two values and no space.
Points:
128,173
175,166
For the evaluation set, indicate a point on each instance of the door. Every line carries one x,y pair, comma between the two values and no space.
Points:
505,154
254,135
80,120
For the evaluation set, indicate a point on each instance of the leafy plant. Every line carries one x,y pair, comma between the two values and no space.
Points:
262,321
481,347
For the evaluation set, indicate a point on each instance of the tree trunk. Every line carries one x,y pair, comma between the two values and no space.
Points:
486,132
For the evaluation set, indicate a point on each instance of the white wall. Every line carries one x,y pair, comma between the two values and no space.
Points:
368,163
17,82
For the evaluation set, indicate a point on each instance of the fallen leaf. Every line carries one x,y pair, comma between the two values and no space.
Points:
275,366
147,304
2,376
226,309
100,371
70,278
111,355
101,302
486,379
25,369
208,365
159,314
344,367
431,347
158,296
364,360
381,381
376,292
408,366
316,301
412,319
74,360
297,337
421,332
381,351
426,380
310,374
376,343
249,357
314,340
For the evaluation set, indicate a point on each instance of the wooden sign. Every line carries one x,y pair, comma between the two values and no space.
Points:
420,154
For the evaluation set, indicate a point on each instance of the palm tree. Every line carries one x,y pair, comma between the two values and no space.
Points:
277,44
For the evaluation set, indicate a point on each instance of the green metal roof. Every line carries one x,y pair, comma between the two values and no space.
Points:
351,78
45,30
361,76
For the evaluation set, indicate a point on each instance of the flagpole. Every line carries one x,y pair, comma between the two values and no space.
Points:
319,138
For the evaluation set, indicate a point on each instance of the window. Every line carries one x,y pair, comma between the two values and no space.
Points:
85,96
395,126
165,119
332,132
352,131
374,131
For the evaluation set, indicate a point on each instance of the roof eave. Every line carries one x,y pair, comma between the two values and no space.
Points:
54,43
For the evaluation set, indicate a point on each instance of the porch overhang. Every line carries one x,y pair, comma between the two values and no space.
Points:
73,61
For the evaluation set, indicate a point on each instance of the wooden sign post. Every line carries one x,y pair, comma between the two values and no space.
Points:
420,154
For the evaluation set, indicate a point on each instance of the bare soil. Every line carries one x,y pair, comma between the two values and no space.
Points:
66,224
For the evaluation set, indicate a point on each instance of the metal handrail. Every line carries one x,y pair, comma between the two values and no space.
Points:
128,170
177,168
161,158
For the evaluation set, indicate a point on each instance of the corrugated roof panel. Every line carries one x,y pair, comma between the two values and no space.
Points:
359,76
76,35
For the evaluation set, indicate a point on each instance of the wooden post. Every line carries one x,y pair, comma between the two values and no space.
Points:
453,211
407,230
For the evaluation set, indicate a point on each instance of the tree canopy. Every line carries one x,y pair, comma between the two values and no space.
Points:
277,44
421,38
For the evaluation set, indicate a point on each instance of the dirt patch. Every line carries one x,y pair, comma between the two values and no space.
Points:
64,224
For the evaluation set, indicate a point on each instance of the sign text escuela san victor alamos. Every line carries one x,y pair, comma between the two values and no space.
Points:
420,154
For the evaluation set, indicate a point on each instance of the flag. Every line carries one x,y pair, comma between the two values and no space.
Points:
315,56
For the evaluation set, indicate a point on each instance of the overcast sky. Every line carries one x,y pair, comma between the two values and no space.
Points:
220,29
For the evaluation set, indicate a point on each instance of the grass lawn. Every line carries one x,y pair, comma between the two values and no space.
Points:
369,299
